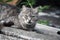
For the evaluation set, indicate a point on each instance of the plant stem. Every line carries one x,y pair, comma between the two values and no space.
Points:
29,3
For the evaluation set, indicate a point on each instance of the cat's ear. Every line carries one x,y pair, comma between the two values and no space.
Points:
23,7
35,10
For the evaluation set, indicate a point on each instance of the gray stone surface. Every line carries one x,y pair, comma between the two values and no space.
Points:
27,34
54,20
44,29
5,37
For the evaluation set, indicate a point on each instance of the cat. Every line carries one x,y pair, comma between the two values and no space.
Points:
26,19
8,10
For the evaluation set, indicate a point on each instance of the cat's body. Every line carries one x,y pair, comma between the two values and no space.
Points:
8,10
26,19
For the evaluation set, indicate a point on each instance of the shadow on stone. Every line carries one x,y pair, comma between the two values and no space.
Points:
58,32
8,24
1,32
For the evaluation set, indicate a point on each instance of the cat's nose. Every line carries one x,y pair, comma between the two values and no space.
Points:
29,21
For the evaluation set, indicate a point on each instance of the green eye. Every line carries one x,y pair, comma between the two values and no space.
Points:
33,16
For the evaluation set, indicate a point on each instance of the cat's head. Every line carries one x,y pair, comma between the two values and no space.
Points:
28,17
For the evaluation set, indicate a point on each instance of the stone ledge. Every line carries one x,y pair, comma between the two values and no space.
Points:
4,37
44,29
27,35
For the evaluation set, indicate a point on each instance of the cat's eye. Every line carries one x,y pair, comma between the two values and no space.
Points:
32,16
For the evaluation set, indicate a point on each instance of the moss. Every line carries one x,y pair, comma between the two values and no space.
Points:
44,22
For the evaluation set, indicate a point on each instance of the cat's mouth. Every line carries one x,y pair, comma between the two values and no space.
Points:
29,26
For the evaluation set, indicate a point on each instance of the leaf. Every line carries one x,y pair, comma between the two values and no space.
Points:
32,2
28,3
25,3
46,7
41,8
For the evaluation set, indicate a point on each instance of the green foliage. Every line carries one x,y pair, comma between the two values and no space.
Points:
29,3
9,0
1,0
5,1
41,8
44,22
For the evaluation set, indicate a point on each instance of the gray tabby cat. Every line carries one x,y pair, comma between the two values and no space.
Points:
7,11
26,19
